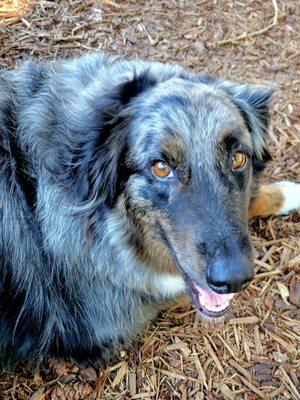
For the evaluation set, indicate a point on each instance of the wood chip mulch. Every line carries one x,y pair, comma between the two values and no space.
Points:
255,354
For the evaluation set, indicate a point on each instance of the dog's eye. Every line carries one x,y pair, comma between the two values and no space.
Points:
238,160
162,169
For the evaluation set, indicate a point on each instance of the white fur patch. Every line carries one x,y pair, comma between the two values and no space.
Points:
291,192
167,285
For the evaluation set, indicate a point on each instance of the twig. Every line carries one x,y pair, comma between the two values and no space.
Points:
254,33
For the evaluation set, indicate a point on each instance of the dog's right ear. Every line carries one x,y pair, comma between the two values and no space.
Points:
98,166
253,102
133,87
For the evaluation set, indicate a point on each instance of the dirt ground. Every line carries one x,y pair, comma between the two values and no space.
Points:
255,354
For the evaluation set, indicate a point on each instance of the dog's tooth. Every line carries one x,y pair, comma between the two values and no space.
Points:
216,308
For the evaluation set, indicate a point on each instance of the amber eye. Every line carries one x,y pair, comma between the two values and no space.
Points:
238,160
161,169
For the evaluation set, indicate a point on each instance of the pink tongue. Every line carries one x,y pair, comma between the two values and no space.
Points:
214,299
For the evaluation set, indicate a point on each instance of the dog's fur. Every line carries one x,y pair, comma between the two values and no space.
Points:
92,244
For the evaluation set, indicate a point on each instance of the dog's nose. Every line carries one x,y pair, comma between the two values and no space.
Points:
230,274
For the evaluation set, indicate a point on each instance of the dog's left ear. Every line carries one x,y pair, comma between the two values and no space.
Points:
253,102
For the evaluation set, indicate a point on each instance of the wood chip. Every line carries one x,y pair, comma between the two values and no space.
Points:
290,384
239,368
257,341
132,383
295,291
287,346
244,320
252,387
214,356
179,376
120,375
198,365
143,395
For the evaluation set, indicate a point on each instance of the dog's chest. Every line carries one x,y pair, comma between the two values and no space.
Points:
168,285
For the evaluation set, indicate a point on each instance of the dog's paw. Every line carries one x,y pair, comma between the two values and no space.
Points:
291,196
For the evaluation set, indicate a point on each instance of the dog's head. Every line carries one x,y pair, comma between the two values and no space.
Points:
178,158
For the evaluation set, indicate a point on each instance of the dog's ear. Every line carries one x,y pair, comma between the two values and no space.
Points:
133,87
99,168
253,102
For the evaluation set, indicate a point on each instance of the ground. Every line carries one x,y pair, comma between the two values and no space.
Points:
254,354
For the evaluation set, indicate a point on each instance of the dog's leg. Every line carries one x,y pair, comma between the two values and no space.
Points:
277,198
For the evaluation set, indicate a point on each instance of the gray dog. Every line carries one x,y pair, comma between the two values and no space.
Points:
123,185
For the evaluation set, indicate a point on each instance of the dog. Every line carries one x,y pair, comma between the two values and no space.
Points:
124,184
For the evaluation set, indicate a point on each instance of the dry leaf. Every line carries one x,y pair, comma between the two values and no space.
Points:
38,395
284,291
89,374
280,357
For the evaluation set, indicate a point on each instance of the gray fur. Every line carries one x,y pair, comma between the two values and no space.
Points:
68,288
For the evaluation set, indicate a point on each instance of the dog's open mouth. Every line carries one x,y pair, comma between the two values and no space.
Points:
210,304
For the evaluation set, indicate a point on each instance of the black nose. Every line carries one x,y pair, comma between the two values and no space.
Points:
230,274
